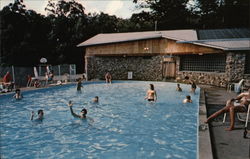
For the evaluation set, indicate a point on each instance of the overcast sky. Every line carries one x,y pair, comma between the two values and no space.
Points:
120,8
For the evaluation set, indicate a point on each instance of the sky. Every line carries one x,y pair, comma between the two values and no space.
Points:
120,8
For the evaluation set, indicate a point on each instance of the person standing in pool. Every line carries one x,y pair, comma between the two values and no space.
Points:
82,115
178,88
187,99
193,86
108,78
151,94
95,99
79,84
40,115
18,94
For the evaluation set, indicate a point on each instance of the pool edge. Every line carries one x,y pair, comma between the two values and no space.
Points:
204,141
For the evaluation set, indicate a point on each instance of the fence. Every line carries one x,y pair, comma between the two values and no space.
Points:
20,74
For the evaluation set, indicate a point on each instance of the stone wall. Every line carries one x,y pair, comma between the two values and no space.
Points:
150,68
234,72
143,68
235,66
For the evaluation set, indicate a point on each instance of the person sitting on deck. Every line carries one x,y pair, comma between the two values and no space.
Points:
18,94
151,94
83,113
40,115
108,78
7,78
51,75
37,84
187,99
232,107
3,89
7,82
178,88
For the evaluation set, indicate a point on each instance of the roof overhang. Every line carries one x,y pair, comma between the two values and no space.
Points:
234,44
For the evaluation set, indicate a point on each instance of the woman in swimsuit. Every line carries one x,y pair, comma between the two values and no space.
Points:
151,94
243,98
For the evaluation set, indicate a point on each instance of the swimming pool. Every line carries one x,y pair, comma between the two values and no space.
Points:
122,126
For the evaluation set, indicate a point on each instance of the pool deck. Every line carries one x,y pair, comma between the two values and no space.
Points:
223,144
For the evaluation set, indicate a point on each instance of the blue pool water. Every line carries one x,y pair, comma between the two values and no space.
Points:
122,126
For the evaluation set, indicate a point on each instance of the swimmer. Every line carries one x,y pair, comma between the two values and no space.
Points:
82,113
187,100
193,86
151,94
178,88
79,84
108,78
18,94
95,100
40,115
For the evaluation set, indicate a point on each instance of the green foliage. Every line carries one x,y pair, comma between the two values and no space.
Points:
26,36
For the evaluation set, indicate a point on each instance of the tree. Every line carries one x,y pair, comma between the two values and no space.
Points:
169,14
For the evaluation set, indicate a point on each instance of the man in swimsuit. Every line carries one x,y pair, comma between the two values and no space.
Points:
151,94
82,113
243,98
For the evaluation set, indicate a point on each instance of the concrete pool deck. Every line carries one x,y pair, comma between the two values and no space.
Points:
223,144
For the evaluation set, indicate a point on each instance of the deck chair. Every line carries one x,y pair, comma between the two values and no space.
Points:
244,117
237,87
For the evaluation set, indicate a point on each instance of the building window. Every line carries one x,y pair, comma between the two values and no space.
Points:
247,64
206,63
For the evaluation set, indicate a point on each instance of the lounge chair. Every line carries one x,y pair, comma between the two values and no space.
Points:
246,119
237,86
242,116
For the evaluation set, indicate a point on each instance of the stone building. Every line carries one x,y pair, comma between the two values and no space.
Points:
217,57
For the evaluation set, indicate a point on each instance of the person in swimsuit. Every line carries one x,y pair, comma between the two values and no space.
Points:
40,115
193,86
231,107
151,94
95,99
82,115
108,78
178,88
18,94
79,84
188,99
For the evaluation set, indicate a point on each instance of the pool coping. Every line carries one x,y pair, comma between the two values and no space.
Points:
204,145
